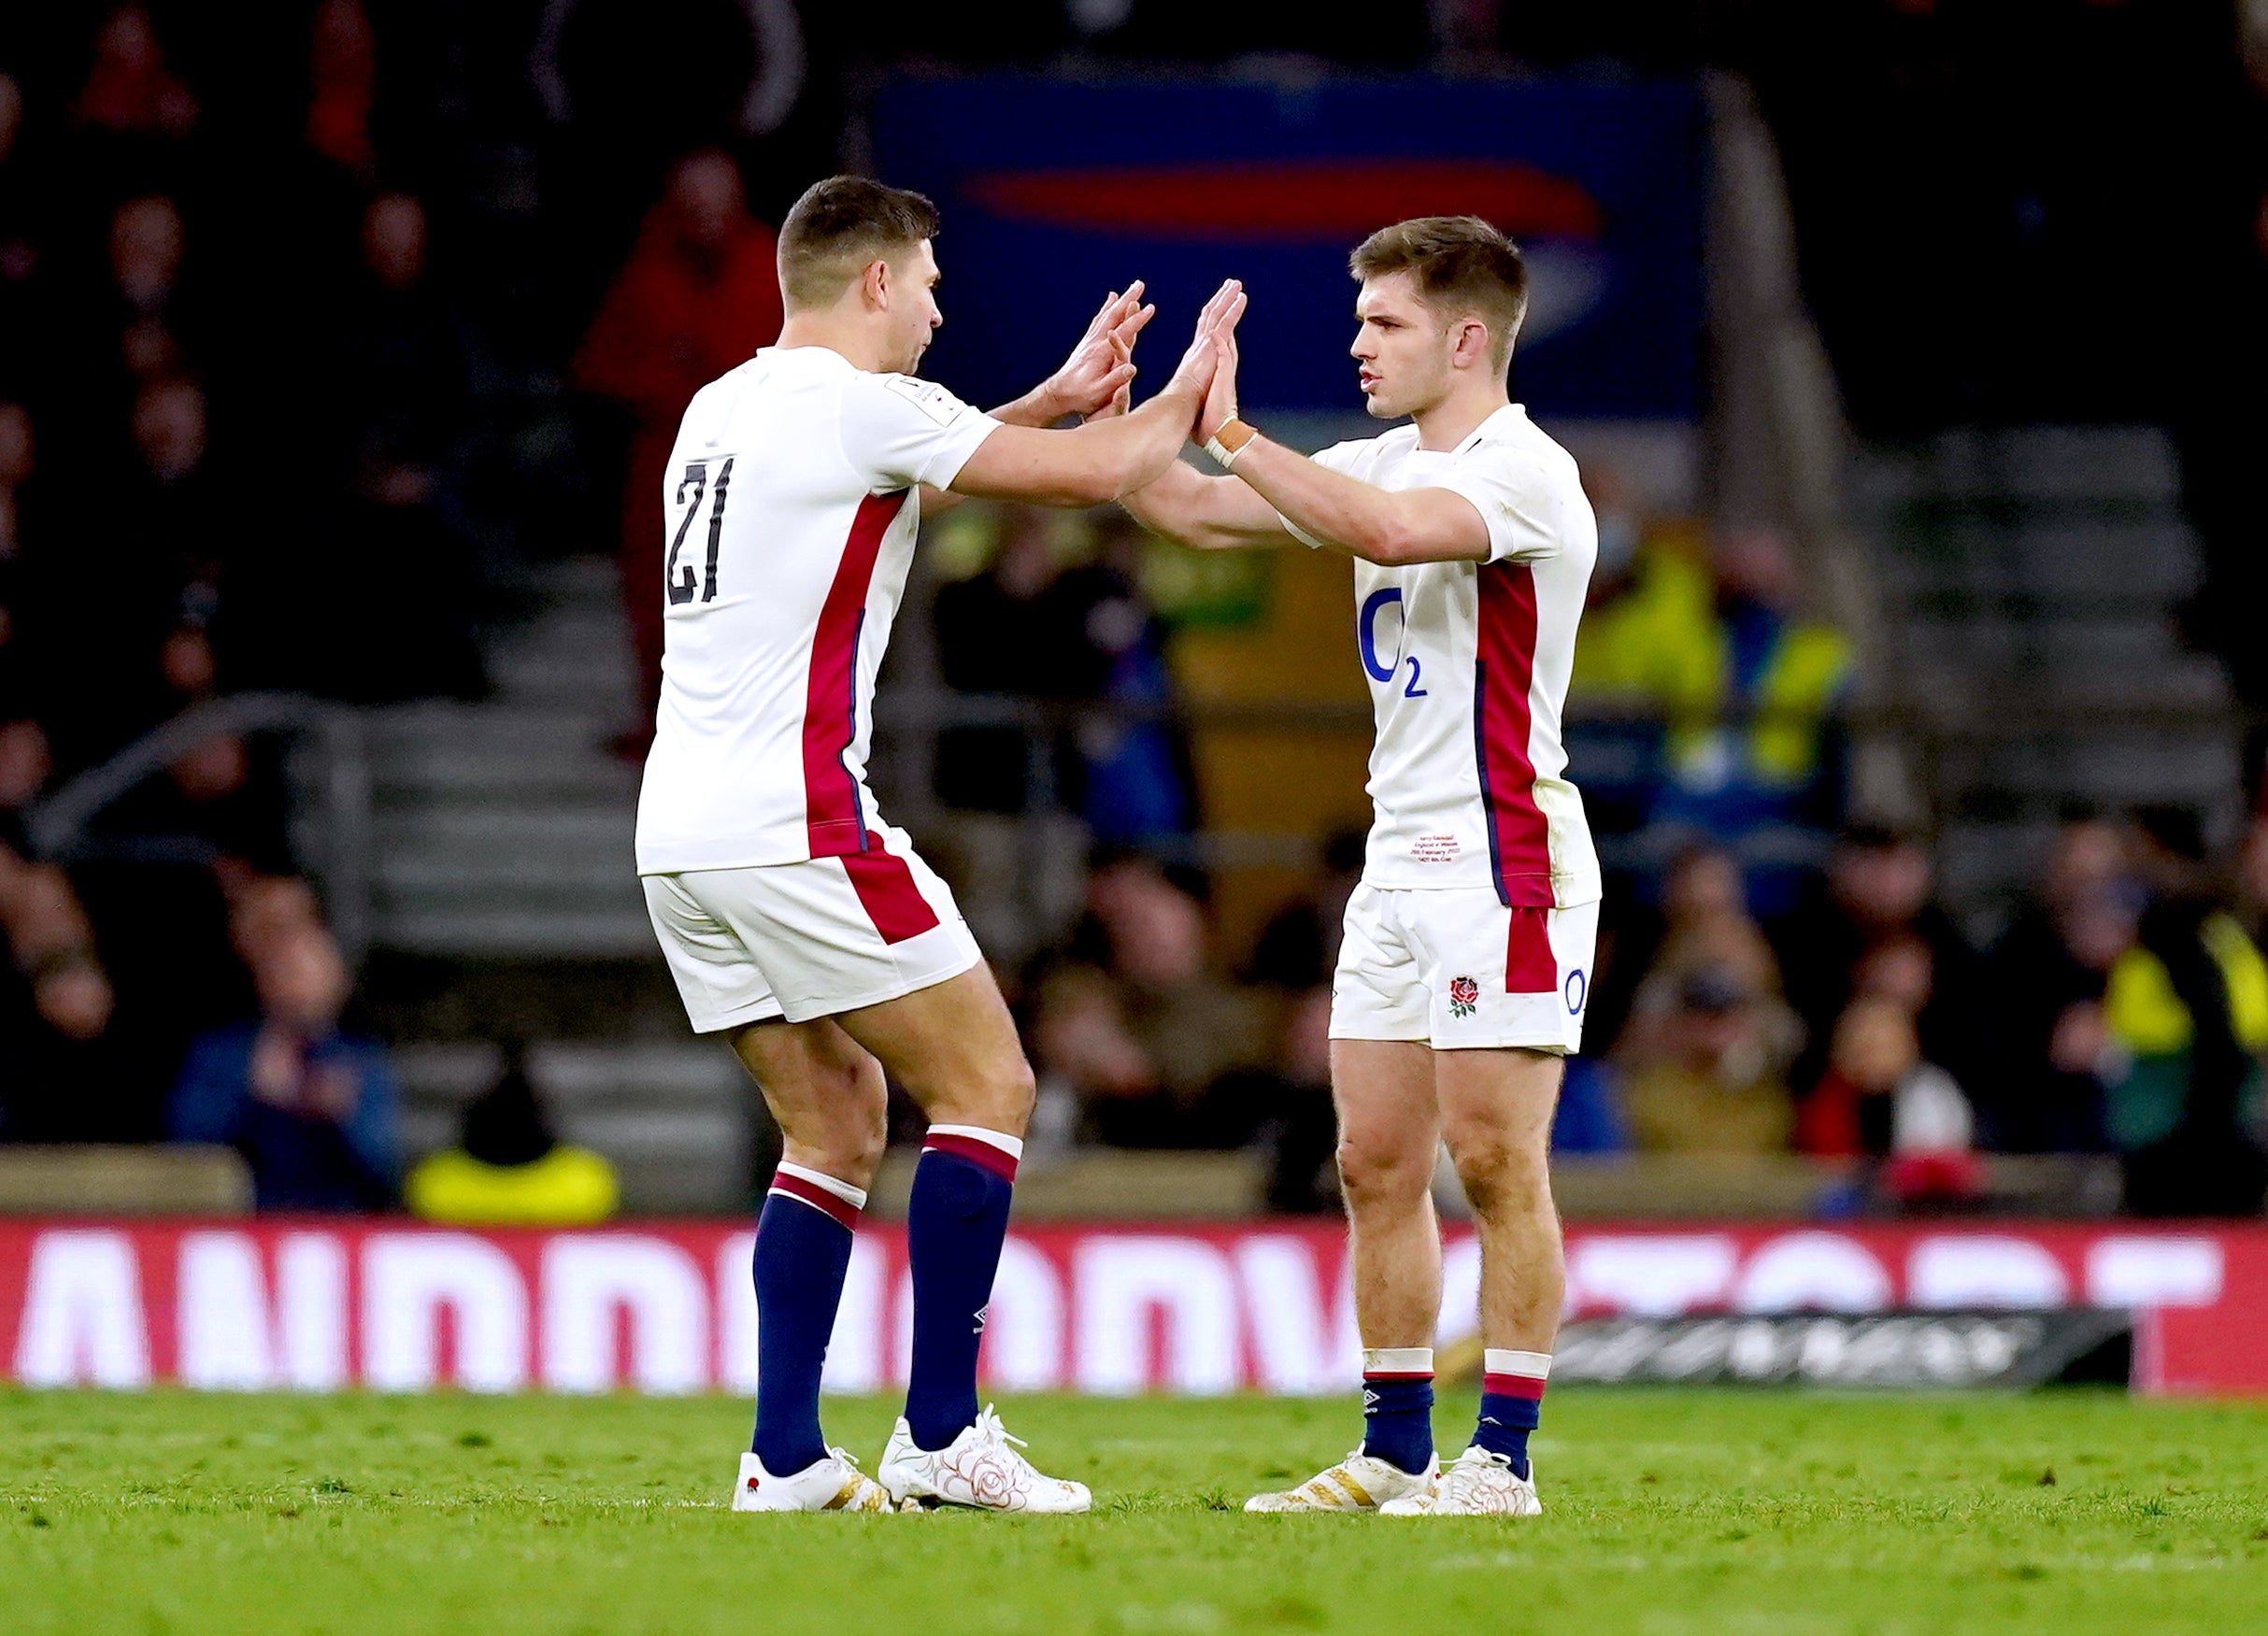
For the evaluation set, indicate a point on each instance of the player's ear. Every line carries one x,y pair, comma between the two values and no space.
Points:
873,284
1471,345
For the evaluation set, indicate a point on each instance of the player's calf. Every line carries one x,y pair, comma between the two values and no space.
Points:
1496,1122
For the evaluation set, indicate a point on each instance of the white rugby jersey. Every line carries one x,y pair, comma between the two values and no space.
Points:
1468,665
790,506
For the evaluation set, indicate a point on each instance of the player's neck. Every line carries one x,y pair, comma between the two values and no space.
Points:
1459,414
852,340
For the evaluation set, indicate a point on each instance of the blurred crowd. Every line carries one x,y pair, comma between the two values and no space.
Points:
221,423
254,437
2122,1011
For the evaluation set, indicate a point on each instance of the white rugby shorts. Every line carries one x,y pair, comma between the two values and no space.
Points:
810,939
1457,969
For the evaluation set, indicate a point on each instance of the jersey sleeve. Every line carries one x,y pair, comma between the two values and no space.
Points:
1341,458
898,430
1525,513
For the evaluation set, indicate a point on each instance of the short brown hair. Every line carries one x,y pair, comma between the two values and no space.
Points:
838,228
1460,262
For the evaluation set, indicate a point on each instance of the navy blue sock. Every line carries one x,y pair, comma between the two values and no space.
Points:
1511,1402
954,1225
802,1252
1398,1405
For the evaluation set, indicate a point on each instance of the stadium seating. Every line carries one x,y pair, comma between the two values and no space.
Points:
2031,575
502,827
678,1118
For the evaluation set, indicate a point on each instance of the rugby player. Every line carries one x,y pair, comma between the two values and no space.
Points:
1460,983
796,921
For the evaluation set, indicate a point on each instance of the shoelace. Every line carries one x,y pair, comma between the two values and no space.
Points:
1468,1471
989,1429
852,1461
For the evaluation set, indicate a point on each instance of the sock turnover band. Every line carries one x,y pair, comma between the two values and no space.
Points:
1397,1360
996,1152
822,1192
1515,1375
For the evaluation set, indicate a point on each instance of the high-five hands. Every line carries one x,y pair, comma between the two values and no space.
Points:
1098,376
1220,320
1096,381
1202,360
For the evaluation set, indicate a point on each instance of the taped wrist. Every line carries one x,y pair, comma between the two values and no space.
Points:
1229,442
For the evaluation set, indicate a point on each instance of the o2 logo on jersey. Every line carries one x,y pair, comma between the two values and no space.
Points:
1578,990
681,591
1366,638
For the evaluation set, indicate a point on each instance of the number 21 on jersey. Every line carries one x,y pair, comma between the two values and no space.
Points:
692,489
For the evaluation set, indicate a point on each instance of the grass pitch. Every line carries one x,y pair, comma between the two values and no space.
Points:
1667,1513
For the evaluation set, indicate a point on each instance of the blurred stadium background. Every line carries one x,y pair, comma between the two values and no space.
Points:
1915,353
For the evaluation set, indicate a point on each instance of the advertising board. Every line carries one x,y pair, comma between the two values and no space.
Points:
320,1304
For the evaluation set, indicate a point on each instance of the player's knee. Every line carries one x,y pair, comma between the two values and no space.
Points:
1017,1091
1381,1172
855,1128
866,1137
1000,1099
849,1148
856,1141
1502,1177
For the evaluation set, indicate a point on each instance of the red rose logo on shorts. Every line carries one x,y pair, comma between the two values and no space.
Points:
1465,995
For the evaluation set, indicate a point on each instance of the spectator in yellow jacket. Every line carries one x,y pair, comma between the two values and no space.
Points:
510,1170
1757,751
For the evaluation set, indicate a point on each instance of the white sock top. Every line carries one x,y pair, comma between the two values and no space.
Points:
1011,1146
854,1196
1503,1360
1397,1360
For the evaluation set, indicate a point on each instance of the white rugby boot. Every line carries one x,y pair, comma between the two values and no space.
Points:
1478,1484
833,1483
979,1469
1360,1482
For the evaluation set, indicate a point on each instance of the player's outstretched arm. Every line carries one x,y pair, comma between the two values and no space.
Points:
1206,514
1093,380
1105,459
1391,528
1209,514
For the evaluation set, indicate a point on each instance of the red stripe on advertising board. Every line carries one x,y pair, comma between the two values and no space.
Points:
1334,200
